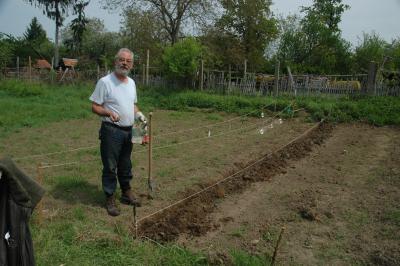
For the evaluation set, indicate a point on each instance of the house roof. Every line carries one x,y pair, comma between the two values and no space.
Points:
42,64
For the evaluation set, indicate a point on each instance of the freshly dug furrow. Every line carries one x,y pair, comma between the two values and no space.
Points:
192,215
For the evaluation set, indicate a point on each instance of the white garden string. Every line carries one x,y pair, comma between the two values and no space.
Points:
229,177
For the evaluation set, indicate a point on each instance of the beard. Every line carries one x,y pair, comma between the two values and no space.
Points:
121,71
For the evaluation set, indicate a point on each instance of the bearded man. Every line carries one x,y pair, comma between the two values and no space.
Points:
114,100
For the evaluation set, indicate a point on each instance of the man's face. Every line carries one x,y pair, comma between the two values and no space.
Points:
124,63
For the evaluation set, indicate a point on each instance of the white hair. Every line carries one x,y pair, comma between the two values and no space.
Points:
122,50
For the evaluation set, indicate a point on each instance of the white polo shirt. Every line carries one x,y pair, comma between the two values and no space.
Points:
118,97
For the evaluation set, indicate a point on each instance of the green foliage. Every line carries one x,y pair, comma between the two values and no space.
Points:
98,46
142,31
71,241
78,26
6,50
313,44
372,48
35,33
244,259
181,59
246,29
39,104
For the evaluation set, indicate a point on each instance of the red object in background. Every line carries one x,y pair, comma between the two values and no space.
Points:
145,140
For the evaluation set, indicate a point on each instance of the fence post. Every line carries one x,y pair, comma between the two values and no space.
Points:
202,75
30,69
371,79
277,66
17,67
147,67
229,78
245,68
98,72
291,81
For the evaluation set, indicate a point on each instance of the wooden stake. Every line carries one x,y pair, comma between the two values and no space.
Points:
245,69
202,76
17,67
277,66
147,67
277,246
144,74
30,69
150,155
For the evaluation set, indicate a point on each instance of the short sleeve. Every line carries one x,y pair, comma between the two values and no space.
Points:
134,85
99,93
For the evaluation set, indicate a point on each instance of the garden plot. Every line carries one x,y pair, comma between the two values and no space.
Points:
283,191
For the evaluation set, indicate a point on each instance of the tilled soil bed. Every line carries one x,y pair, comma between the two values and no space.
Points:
191,216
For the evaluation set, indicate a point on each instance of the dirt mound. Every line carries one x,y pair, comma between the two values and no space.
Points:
191,216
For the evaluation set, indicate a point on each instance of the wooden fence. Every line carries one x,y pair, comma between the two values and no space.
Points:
228,82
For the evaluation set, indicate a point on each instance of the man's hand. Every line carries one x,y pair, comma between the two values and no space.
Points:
140,116
113,116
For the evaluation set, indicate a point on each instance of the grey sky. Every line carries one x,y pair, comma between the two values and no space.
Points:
364,16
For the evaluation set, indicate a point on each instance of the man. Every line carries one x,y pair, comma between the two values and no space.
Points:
114,100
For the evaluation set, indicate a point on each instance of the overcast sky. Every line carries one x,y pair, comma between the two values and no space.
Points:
382,16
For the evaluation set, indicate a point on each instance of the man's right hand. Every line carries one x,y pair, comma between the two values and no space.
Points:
114,116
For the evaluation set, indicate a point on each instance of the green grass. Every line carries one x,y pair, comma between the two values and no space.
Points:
71,241
74,238
35,104
243,258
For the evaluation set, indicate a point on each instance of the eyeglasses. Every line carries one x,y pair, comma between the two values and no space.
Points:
128,61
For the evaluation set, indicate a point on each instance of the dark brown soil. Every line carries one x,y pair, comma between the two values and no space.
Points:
192,216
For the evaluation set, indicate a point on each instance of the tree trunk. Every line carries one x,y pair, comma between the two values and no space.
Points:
56,55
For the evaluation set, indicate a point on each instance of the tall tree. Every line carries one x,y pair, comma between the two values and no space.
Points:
252,23
55,10
35,33
172,13
325,50
35,42
98,45
78,25
372,48
142,31
314,44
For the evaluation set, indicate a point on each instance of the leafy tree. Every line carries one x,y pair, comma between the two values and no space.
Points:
181,59
325,51
395,55
291,48
372,48
142,31
35,33
223,49
6,49
98,45
314,44
78,25
251,22
35,42
172,14
54,9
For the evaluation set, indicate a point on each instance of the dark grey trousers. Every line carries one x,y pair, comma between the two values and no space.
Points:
115,149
